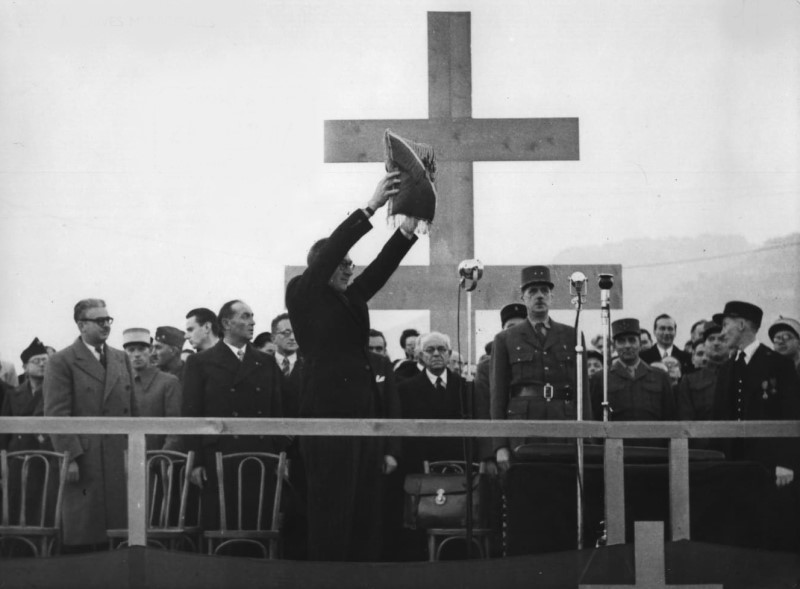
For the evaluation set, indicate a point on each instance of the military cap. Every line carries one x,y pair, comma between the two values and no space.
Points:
625,327
710,328
784,324
740,309
535,275
511,311
136,335
36,348
172,336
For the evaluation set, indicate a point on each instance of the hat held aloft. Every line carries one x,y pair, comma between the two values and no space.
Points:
416,198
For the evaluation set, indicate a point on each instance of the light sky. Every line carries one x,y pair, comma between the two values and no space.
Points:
167,155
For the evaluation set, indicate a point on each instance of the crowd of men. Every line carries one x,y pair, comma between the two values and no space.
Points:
323,359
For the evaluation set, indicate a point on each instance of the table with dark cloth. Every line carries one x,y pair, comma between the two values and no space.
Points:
726,505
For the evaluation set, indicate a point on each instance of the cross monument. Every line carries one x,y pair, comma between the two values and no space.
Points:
459,140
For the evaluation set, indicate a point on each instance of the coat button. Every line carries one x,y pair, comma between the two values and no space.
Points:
258,413
258,389
233,390
235,414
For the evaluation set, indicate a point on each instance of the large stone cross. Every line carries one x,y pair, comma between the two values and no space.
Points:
649,561
460,140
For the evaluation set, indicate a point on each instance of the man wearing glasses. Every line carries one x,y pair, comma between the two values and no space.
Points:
331,324
90,378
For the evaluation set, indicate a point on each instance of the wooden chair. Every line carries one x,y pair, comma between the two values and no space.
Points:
247,488
438,538
32,488
168,489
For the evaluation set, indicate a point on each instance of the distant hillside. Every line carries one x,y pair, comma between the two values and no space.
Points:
692,278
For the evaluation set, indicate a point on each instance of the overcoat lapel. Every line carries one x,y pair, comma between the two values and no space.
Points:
247,365
115,367
86,361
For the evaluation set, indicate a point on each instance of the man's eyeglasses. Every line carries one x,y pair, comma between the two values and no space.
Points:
285,332
346,265
100,320
784,337
432,350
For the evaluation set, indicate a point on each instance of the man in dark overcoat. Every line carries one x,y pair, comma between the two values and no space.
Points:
231,379
534,366
331,323
760,384
90,379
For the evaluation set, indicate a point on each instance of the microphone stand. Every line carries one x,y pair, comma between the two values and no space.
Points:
605,283
470,272
577,282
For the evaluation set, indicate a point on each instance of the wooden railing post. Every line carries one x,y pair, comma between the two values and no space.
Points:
614,475
679,488
137,490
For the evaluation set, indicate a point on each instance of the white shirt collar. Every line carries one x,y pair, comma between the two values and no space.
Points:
664,351
279,358
92,349
750,350
432,377
235,350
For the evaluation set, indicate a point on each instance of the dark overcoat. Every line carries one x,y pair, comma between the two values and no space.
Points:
76,384
217,384
332,329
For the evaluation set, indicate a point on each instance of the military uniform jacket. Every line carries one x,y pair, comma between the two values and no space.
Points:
21,402
158,394
77,385
218,384
332,328
696,394
646,396
770,390
520,359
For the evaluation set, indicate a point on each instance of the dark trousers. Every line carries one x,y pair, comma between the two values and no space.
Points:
344,498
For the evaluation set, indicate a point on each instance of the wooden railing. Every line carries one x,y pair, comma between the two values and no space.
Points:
612,434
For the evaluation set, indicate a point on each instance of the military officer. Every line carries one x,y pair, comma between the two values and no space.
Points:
636,391
534,368
167,350
760,384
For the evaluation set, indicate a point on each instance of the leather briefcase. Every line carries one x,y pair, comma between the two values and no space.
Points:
439,501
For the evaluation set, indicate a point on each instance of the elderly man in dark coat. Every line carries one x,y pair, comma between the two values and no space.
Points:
88,379
331,324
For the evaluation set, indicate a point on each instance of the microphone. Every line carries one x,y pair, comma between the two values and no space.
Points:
471,270
577,282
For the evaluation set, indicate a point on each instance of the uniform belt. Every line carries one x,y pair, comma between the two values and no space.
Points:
547,391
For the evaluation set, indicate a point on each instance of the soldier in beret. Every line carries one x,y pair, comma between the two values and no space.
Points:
785,336
27,401
759,384
636,391
534,368
167,350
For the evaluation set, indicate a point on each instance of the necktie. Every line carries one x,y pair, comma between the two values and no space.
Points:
539,329
99,350
440,388
240,354
286,366
665,354
632,371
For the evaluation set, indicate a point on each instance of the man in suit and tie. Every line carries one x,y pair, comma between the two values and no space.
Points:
664,328
331,323
534,365
202,329
760,384
435,393
87,379
289,361
158,393
231,379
